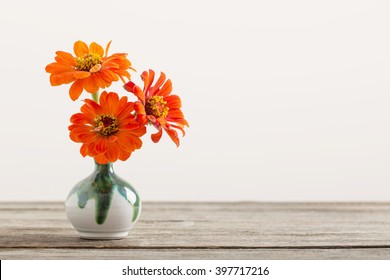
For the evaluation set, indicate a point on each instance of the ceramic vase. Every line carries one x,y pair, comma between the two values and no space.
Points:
103,205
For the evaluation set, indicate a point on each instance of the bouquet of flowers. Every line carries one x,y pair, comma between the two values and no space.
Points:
109,126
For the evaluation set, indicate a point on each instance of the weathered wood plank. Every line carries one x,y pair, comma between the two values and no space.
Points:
209,225
245,230
188,254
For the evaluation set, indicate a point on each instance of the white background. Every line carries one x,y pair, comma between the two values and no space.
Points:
287,100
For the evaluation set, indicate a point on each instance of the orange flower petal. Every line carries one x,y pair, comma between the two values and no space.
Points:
84,150
112,138
82,133
175,113
79,118
131,128
103,97
140,113
121,74
76,89
111,65
123,102
178,121
57,68
63,78
157,85
173,101
152,119
108,76
180,127
148,80
173,134
101,145
107,48
80,48
88,112
139,108
101,83
65,58
157,136
136,90
128,141
96,49
140,94
140,131
124,155
111,103
95,68
101,159
81,74
125,113
166,89
130,86
112,153
79,135
97,109
90,85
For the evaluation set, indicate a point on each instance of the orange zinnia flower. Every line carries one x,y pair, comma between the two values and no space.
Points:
157,106
108,131
91,69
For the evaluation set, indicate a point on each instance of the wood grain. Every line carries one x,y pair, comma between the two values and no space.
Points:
188,254
181,230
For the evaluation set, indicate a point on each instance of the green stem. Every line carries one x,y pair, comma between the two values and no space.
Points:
95,97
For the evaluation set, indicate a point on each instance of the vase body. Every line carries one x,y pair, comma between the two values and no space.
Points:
103,205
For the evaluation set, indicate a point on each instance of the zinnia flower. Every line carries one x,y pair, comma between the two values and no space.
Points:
107,131
157,106
91,69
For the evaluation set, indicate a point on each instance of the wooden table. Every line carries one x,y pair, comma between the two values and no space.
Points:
243,230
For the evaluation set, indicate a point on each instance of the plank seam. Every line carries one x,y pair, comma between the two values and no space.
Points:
211,247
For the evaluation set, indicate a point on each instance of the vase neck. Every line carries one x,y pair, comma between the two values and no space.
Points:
106,168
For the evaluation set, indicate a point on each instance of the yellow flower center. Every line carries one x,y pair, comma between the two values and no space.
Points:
156,106
106,125
87,62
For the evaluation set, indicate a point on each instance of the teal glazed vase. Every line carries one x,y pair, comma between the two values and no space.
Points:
103,205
